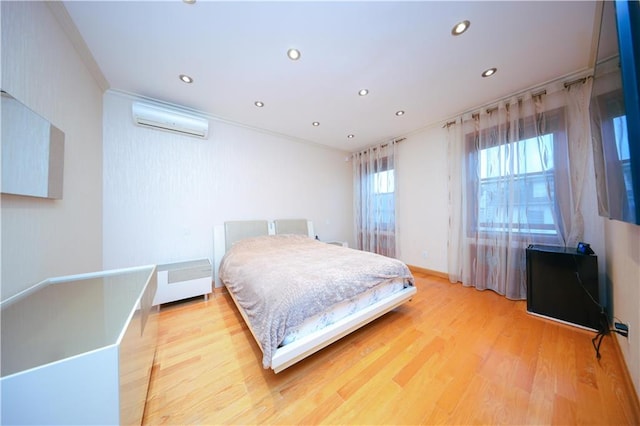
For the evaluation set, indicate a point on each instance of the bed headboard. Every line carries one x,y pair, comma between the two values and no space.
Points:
225,235
291,226
239,230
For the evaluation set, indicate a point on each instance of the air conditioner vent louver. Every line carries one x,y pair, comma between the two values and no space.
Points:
171,120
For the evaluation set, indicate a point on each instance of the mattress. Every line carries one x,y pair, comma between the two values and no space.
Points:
342,310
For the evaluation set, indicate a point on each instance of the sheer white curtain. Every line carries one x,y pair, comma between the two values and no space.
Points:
516,177
375,188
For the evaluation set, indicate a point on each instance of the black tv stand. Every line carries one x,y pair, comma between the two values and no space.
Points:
562,284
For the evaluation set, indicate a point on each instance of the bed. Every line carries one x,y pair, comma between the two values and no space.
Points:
297,294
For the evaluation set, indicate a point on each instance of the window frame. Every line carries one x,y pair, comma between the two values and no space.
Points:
553,122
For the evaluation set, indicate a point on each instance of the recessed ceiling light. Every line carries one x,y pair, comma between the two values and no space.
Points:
489,72
186,79
189,1
460,27
259,104
351,136
293,54
363,92
399,113
316,123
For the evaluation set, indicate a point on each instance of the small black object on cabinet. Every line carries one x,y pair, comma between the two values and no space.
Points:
562,284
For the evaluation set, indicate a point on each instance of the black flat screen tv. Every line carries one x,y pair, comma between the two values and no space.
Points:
615,112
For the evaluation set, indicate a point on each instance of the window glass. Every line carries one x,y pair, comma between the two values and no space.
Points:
383,198
620,130
622,147
383,182
517,186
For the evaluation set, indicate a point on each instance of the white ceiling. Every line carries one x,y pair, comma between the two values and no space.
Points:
403,52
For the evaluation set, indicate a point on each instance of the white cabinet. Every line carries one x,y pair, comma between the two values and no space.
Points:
79,349
177,281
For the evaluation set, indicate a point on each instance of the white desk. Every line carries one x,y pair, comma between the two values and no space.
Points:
79,349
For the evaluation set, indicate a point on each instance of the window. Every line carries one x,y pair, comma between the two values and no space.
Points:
374,193
383,198
622,147
531,205
612,157
383,182
516,181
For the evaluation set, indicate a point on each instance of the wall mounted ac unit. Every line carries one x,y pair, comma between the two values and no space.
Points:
170,120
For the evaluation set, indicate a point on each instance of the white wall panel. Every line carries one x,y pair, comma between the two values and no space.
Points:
422,199
163,193
41,68
623,274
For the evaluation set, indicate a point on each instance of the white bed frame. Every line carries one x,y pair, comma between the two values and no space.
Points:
288,355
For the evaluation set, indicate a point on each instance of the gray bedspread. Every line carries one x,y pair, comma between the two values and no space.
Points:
280,280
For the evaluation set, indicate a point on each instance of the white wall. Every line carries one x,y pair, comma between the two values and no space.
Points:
623,274
164,193
423,216
45,238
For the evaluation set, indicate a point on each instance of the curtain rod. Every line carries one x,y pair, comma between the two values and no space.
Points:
579,80
534,93
373,148
385,144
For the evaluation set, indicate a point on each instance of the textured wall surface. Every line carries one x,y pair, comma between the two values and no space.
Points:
623,274
164,193
40,67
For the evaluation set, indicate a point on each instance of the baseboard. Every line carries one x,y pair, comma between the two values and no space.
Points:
418,269
630,388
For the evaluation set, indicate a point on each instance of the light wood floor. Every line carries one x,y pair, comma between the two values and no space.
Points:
453,355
